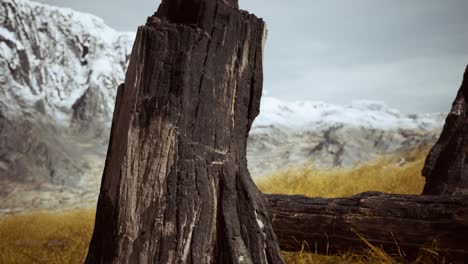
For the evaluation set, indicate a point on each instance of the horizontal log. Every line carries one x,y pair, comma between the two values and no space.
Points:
394,222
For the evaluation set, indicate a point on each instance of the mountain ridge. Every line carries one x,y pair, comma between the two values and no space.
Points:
372,114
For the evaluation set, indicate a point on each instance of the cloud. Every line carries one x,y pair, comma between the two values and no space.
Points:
415,85
411,54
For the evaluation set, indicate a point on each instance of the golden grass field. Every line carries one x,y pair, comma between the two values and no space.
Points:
383,174
55,238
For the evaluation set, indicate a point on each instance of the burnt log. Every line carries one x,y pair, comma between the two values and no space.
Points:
396,223
446,166
175,187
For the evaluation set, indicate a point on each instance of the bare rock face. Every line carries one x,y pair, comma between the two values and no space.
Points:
176,188
446,168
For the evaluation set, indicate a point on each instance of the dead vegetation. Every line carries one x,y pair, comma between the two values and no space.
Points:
63,237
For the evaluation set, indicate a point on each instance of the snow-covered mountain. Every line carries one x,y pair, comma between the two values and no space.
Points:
310,115
53,60
59,71
325,135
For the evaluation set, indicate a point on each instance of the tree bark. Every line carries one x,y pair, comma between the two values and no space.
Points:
446,167
175,187
409,221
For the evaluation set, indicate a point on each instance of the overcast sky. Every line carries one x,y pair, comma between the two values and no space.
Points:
410,54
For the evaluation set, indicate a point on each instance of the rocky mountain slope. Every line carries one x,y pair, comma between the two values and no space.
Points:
59,71
326,135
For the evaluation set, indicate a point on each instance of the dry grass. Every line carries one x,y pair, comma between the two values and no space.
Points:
386,174
63,237
371,255
52,238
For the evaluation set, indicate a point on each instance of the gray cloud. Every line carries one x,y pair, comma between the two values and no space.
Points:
410,54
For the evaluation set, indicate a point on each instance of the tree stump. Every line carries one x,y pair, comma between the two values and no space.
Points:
446,167
175,187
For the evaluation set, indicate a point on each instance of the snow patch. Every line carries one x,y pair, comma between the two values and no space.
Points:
363,113
11,37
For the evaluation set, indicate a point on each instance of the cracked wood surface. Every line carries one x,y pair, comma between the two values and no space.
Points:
446,167
387,220
175,187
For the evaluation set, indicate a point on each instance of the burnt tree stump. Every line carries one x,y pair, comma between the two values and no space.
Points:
446,167
175,187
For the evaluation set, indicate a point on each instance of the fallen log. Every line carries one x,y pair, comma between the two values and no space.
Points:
404,223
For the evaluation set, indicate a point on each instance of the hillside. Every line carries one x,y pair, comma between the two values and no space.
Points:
325,135
58,73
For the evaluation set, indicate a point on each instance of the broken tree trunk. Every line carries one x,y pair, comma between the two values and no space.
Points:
387,220
176,188
446,167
